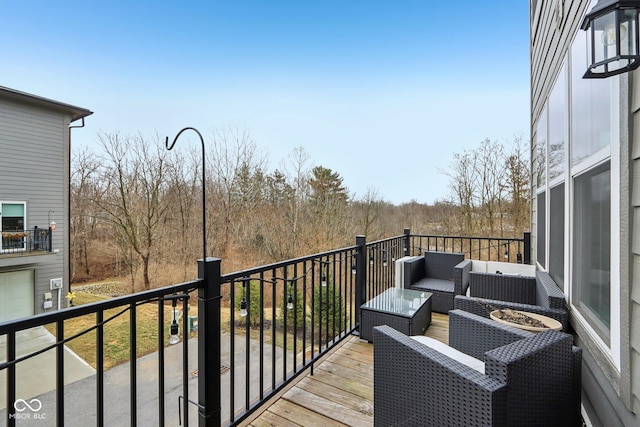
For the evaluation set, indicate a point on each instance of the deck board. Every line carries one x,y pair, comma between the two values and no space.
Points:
340,393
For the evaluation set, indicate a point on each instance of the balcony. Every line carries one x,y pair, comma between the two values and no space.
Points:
259,332
35,241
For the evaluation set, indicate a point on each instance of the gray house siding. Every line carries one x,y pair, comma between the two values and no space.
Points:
634,261
34,168
610,397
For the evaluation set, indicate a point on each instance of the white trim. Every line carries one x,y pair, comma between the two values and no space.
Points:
615,225
24,224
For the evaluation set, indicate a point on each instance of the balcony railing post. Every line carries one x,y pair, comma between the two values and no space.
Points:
527,247
361,274
407,242
209,398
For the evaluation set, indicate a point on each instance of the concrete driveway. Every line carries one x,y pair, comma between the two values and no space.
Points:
80,395
37,375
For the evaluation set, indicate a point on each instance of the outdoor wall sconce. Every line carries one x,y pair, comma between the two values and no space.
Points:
612,38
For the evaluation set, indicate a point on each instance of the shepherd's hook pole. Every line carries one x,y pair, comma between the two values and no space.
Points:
204,193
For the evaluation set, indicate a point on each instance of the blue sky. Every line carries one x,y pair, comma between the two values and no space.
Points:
382,92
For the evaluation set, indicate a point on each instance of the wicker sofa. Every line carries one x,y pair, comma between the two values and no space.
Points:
443,274
538,294
526,379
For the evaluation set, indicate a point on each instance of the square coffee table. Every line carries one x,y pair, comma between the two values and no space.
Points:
405,310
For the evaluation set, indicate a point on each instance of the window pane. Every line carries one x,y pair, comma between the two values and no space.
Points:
541,236
12,216
541,150
557,126
592,242
590,106
12,209
556,234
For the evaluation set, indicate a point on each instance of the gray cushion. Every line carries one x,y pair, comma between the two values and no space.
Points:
438,285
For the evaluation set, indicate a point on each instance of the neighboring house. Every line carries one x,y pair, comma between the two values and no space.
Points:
586,201
34,202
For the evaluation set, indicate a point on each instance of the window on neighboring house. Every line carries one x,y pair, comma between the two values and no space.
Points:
592,248
12,219
556,234
541,231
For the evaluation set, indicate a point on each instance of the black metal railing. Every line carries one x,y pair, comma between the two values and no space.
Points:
283,317
102,314
257,330
480,248
26,241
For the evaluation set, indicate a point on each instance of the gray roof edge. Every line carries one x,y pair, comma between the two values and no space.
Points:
76,112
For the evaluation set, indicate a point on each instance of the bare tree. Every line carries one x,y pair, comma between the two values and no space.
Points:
133,189
489,167
83,216
235,161
367,214
517,184
463,183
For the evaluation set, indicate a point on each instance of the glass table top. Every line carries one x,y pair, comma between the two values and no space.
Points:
398,301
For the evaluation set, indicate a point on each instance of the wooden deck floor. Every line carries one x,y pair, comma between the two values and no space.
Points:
340,393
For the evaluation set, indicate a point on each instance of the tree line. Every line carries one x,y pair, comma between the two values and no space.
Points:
137,208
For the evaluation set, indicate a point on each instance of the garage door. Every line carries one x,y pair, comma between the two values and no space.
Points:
16,294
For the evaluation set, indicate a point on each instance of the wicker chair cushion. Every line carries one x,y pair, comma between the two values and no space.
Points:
438,285
451,352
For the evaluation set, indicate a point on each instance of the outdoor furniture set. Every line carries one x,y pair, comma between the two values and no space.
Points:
481,286
490,374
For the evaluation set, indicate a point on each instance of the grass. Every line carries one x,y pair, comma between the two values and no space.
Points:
116,332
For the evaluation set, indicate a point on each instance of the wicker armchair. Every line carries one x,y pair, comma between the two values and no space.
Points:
443,274
538,294
528,379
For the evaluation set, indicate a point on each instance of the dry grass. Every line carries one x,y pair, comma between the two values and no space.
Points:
116,332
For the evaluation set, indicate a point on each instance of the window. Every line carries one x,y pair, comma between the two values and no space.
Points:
541,232
12,219
557,127
590,106
592,248
541,150
556,234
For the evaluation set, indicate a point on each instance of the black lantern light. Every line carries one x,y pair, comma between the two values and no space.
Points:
612,38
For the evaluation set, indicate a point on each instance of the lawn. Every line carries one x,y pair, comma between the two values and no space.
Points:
116,331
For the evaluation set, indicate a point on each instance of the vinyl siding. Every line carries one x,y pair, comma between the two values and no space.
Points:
634,293
34,168
610,397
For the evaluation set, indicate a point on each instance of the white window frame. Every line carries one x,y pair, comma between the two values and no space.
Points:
24,227
610,153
